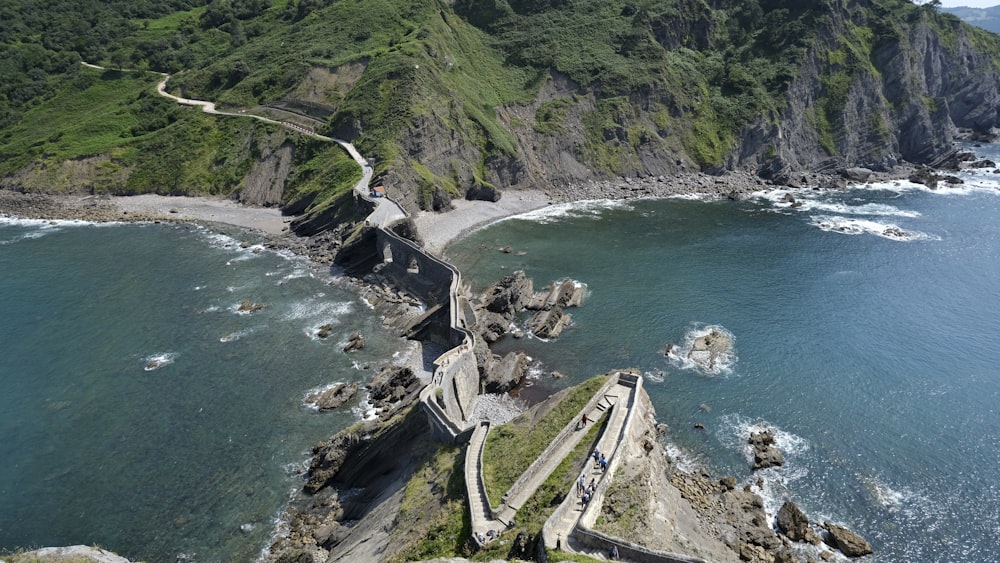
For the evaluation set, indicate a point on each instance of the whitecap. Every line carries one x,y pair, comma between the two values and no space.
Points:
157,361
365,410
655,376
590,208
681,458
234,336
317,308
850,226
772,484
683,357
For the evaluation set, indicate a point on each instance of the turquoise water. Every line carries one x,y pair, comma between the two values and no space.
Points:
139,409
874,352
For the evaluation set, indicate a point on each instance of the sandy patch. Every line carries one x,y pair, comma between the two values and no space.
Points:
439,229
187,208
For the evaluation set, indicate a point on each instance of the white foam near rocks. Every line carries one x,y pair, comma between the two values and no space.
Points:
853,226
157,361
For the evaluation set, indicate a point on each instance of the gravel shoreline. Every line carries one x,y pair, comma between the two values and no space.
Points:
436,229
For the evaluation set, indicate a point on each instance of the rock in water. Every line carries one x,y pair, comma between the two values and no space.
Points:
793,523
849,543
355,342
765,454
247,306
333,397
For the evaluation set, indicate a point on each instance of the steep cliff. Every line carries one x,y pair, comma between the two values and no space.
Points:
467,98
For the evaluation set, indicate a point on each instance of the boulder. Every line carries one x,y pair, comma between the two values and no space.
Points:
793,522
765,454
858,174
849,543
483,192
504,375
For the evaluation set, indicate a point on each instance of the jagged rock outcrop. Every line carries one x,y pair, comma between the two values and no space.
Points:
333,397
849,543
794,523
765,453
391,385
501,303
328,458
355,342
504,375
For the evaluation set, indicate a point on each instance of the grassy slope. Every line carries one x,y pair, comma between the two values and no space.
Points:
671,73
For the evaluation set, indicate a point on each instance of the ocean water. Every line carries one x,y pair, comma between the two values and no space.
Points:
139,409
866,333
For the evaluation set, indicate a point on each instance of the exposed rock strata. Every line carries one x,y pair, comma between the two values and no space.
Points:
392,385
333,397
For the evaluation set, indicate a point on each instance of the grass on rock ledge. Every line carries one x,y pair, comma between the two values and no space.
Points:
511,448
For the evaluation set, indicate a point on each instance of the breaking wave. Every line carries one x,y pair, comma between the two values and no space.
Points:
157,361
849,226
591,209
685,356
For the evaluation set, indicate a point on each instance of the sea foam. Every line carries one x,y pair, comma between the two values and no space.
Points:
680,355
590,208
852,226
157,361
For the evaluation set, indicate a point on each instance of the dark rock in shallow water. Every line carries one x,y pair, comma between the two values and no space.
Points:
355,342
333,397
765,454
849,543
794,524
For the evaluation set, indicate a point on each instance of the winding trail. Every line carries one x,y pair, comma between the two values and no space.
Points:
386,210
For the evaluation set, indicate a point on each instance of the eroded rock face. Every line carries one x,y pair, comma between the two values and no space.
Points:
391,385
328,458
501,303
849,543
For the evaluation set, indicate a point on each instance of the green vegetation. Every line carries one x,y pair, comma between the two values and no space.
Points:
651,77
550,119
537,509
438,523
511,448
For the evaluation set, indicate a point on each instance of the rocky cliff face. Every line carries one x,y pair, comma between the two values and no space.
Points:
880,84
906,103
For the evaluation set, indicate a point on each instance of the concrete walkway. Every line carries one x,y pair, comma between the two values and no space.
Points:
615,397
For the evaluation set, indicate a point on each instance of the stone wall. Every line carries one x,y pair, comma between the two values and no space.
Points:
450,398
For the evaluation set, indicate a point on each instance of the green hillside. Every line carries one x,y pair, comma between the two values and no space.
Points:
446,97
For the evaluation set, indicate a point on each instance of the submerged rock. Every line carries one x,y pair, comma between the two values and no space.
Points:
247,306
355,342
